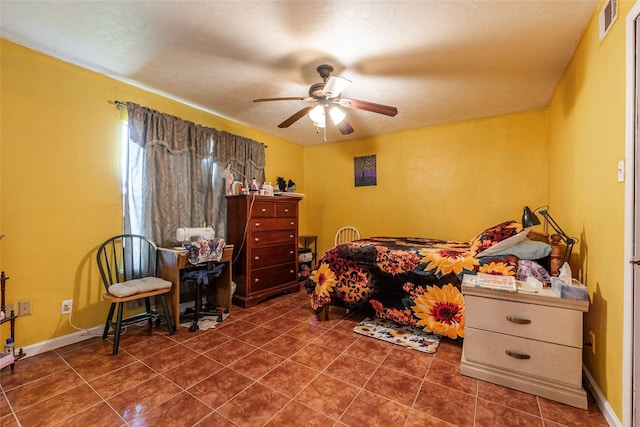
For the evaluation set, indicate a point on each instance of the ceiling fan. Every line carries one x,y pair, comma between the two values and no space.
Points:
326,97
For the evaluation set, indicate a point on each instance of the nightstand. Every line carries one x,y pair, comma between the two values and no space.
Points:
527,341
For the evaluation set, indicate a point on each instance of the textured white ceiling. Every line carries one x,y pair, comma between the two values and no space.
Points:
436,61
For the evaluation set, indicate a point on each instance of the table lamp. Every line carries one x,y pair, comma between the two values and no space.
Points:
529,219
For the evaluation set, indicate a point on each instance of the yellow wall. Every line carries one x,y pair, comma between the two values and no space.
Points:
447,182
59,189
60,182
587,139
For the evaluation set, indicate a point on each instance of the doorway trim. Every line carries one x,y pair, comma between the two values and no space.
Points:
631,306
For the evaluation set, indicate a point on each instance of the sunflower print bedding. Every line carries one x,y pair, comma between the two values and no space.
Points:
412,281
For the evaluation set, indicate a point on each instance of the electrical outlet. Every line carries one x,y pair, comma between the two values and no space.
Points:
592,336
67,306
24,308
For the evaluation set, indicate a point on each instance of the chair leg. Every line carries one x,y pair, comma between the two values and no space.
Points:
109,320
147,306
167,316
116,339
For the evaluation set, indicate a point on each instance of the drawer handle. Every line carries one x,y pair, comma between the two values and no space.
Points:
286,210
292,222
518,320
291,236
291,271
257,239
257,224
264,210
517,355
257,258
256,280
290,252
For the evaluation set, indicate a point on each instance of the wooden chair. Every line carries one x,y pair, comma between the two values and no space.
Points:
346,234
127,264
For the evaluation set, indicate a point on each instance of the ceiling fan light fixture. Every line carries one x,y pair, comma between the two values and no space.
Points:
317,116
337,115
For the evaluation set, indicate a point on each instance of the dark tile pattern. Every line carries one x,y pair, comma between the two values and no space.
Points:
276,364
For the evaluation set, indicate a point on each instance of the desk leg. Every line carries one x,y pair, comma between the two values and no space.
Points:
224,288
168,270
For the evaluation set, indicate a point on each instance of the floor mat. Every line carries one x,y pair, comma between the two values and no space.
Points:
405,336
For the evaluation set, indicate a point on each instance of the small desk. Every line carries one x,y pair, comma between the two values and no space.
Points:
172,261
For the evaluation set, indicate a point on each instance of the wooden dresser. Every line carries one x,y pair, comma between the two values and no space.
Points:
530,342
266,255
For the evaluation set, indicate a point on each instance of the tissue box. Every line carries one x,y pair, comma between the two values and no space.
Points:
575,290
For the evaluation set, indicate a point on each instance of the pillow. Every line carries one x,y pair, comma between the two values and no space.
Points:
496,234
138,286
526,249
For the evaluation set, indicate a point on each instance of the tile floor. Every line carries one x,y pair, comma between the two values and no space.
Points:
275,364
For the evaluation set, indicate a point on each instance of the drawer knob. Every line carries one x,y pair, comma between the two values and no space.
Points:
291,236
256,280
292,222
516,355
257,258
264,210
291,271
286,210
257,224
518,320
257,239
290,252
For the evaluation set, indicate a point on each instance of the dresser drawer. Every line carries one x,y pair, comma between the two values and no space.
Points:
555,362
268,224
273,237
286,210
272,255
263,210
265,278
539,322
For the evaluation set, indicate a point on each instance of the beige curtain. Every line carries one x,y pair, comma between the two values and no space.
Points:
174,174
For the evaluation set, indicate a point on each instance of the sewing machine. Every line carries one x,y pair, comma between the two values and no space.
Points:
188,234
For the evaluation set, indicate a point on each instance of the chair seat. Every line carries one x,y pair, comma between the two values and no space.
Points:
138,286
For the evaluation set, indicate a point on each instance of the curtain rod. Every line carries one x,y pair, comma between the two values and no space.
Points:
120,105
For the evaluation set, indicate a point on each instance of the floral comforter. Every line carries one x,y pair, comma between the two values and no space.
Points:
412,281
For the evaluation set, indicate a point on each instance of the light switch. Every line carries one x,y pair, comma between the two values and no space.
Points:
621,171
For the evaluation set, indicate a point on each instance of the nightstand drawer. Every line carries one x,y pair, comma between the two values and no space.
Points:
538,322
530,357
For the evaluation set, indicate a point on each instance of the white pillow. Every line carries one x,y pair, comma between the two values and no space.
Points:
506,243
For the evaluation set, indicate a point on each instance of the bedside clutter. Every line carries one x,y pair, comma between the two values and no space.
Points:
571,290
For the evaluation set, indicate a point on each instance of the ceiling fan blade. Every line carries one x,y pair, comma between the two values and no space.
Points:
344,127
294,118
335,85
368,106
289,98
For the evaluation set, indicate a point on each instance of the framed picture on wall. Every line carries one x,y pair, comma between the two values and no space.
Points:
364,170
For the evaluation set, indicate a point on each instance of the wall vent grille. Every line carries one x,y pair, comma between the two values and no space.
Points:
608,16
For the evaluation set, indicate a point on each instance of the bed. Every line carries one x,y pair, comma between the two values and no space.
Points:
417,281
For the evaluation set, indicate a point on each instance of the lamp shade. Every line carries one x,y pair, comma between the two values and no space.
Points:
317,116
529,219
337,115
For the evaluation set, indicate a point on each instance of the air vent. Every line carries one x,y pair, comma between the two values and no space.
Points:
608,16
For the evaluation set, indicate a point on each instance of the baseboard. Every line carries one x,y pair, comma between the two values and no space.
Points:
601,401
52,344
